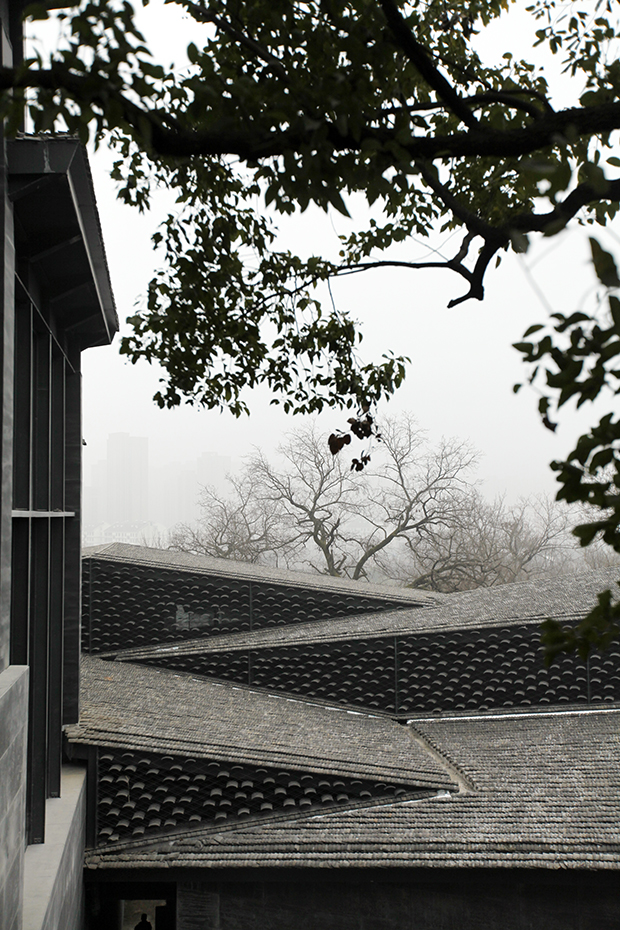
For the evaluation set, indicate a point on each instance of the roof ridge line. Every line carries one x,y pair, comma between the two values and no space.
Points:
516,712
466,785
342,768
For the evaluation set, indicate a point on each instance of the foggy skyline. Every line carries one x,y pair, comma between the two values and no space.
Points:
130,497
459,383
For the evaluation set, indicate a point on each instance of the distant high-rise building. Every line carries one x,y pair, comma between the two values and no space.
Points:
127,479
176,487
213,469
123,489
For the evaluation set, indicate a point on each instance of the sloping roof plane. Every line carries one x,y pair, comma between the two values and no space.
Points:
566,598
135,706
167,559
526,810
474,756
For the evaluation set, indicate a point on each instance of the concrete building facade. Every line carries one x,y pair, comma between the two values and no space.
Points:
56,302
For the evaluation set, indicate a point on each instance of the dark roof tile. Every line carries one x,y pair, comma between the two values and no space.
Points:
225,568
141,707
529,809
566,597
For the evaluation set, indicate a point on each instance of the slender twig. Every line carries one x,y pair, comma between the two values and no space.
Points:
203,15
420,58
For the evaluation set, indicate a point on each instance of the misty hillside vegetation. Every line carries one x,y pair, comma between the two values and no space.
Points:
414,516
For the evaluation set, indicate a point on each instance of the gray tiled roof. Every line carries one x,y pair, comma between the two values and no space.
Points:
566,597
164,711
547,794
225,568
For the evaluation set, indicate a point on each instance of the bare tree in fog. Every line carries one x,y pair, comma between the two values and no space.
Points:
313,511
413,516
241,525
489,543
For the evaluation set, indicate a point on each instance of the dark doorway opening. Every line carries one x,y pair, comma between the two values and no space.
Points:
120,905
157,913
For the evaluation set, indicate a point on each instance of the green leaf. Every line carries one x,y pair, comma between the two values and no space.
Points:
519,241
614,306
604,264
338,203
36,11
524,347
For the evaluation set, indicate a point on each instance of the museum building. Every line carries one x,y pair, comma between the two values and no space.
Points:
271,749
233,747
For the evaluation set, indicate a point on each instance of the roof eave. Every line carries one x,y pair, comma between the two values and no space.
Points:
32,158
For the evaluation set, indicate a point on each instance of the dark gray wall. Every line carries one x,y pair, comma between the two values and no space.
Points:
13,680
7,318
512,901
363,899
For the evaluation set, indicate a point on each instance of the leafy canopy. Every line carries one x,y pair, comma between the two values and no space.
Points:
289,103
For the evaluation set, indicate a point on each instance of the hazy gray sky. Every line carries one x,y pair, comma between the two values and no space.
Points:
463,367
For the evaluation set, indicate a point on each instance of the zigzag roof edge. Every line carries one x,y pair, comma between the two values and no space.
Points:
246,571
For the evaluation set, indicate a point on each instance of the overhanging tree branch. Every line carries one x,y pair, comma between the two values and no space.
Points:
164,134
583,195
304,94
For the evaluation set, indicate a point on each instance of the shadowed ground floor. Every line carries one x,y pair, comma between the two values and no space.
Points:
354,899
